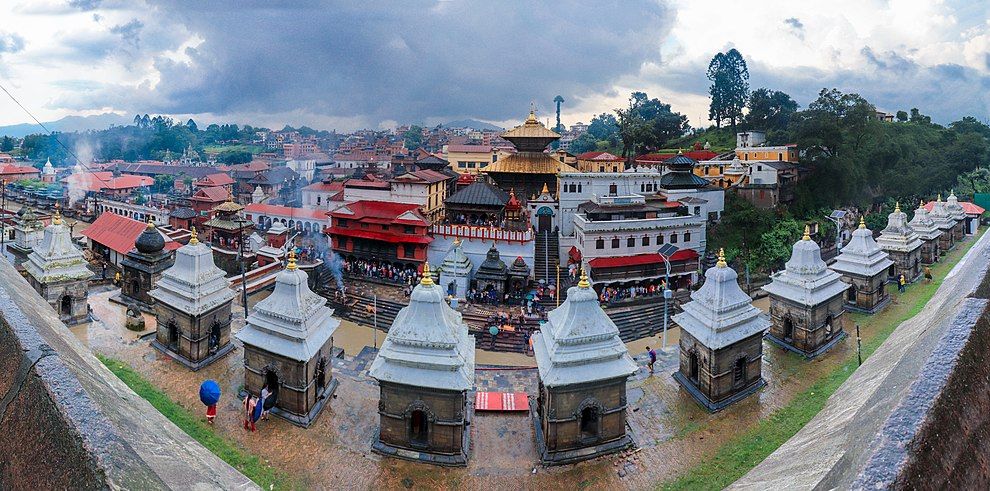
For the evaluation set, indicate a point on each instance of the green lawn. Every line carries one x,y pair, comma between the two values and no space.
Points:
742,453
254,149
250,465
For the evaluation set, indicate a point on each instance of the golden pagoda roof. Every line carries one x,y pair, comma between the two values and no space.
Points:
229,206
529,163
531,128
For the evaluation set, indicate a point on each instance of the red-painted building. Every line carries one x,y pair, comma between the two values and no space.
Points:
380,231
204,200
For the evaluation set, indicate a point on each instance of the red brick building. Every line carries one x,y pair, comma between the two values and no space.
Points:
380,231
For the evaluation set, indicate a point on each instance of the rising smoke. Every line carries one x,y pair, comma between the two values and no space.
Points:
76,185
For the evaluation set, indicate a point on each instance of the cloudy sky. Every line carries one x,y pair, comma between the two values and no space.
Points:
348,65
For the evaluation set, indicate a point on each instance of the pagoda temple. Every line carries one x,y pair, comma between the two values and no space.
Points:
681,174
580,411
288,346
492,274
192,305
455,272
864,265
530,168
902,245
927,232
425,370
518,275
945,223
226,230
57,270
143,266
957,213
806,313
721,345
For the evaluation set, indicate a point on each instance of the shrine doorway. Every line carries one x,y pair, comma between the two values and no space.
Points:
544,219
418,430
590,423
693,367
788,329
65,307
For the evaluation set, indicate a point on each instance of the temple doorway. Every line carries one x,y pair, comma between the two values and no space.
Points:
215,336
65,307
739,372
418,432
693,367
544,219
271,380
321,374
788,329
589,423
173,335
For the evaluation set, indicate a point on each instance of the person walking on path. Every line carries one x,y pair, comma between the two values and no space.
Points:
901,283
653,357
211,413
928,274
249,403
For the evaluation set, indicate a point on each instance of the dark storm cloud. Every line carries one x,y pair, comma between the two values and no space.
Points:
405,61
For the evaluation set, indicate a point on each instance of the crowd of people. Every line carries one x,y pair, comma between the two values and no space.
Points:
611,294
381,271
475,220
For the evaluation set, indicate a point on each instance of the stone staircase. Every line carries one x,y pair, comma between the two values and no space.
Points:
641,319
547,257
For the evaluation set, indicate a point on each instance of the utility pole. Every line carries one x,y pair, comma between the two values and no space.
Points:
859,346
240,235
375,313
3,220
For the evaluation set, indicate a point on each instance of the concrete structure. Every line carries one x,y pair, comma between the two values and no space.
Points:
57,270
957,213
192,305
72,424
946,226
864,265
288,345
143,267
902,245
425,369
721,345
455,271
806,299
28,231
927,232
469,159
580,411
48,172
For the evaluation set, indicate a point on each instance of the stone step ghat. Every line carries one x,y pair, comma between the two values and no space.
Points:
547,257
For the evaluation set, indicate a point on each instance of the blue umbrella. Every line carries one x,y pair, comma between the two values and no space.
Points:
209,392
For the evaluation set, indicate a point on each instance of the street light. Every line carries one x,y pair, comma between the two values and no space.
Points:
665,252
835,217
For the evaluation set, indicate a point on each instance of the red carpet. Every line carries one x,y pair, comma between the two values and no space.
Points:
501,401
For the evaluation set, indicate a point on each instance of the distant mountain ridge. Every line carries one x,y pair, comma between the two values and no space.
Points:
473,124
68,123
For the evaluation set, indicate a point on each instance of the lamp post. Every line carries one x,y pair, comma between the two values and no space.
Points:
835,217
240,234
665,253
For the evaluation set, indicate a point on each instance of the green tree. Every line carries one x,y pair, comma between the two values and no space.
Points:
604,127
902,116
730,87
973,182
231,157
770,109
647,124
163,183
584,143
192,126
413,137
7,144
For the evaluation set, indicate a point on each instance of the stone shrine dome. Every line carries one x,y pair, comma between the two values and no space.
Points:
150,241
806,278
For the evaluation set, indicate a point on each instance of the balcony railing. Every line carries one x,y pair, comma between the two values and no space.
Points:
482,233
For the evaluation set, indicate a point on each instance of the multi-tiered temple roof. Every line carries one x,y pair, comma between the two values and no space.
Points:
293,321
862,256
194,284
456,262
806,278
579,343
923,225
898,235
56,258
940,215
953,208
428,344
720,313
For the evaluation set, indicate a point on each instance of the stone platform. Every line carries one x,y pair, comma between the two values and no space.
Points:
780,343
714,407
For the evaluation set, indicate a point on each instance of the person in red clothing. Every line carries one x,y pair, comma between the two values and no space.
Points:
249,403
211,413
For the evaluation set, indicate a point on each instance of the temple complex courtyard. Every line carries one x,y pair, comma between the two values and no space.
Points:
675,437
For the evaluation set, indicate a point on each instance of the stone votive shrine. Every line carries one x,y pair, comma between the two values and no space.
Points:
143,266
928,233
57,270
902,245
864,265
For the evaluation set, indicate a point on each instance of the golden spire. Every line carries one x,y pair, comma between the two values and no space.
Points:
292,260
532,114
939,197
584,283
897,207
545,190
862,221
921,204
721,259
57,217
457,241
807,232
151,222
427,277
230,196
193,240
680,152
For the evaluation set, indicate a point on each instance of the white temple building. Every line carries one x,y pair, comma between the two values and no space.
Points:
57,270
927,232
958,214
455,271
583,366
946,225
425,369
192,304
902,245
288,345
864,265
721,345
806,311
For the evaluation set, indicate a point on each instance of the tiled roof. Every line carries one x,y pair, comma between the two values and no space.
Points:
529,163
968,207
98,181
326,187
252,166
183,213
425,175
211,195
469,148
479,193
641,259
599,156
664,156
119,232
381,212
366,184
218,179
17,169
285,211
196,172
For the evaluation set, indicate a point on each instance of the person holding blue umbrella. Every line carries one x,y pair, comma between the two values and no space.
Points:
209,395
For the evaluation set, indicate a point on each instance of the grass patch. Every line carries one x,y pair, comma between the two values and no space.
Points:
254,149
250,465
740,454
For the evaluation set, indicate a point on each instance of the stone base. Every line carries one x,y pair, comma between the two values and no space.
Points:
876,308
814,354
75,321
194,366
126,301
710,405
308,419
446,460
549,458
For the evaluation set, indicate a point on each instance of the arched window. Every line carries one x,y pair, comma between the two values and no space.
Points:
590,419
418,428
600,243
687,236
693,367
615,242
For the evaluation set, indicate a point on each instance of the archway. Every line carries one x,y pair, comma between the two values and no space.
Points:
321,374
271,380
590,419
693,366
851,294
739,372
828,325
173,334
65,307
418,428
215,336
544,217
788,329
